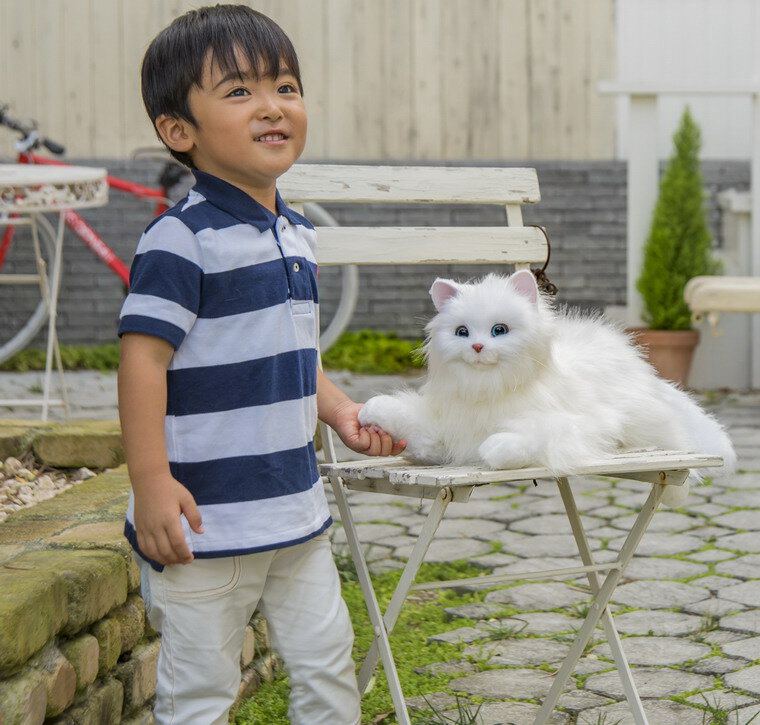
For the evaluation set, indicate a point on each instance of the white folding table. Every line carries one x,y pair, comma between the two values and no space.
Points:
27,190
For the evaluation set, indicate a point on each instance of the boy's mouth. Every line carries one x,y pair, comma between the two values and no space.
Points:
270,137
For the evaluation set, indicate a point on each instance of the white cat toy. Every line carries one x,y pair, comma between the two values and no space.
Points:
514,383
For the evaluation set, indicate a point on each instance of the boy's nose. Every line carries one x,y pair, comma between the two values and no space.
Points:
270,108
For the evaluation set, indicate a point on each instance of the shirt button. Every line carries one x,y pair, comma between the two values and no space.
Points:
296,267
283,227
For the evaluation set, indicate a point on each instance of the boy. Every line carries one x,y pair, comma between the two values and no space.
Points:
219,388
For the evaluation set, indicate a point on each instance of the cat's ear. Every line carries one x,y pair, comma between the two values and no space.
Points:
442,291
524,283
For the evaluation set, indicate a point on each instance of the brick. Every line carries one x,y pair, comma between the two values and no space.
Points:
101,705
249,647
83,653
23,699
138,676
108,634
96,444
131,619
60,678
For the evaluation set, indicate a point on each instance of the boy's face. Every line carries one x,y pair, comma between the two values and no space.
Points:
249,131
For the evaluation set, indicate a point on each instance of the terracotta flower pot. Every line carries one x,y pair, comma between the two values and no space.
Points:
669,352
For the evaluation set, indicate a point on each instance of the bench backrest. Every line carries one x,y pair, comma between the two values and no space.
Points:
512,243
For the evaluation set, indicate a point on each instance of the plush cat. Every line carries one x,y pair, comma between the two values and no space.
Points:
514,383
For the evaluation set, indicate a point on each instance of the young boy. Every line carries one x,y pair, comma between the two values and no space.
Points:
219,388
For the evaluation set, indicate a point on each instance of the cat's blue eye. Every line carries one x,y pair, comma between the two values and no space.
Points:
499,329
462,331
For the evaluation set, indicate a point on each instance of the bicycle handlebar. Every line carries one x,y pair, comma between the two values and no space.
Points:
31,139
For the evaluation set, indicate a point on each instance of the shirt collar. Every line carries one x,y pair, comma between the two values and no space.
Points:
235,201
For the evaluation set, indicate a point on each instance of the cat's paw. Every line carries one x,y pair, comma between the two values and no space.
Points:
387,412
425,449
505,450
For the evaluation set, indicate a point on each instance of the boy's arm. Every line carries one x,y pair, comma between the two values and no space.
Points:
159,497
341,413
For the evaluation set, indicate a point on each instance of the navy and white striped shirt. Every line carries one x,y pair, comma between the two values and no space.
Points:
233,288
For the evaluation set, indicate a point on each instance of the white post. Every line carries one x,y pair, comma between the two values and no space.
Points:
754,251
643,183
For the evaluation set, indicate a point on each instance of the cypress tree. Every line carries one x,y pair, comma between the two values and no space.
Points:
679,243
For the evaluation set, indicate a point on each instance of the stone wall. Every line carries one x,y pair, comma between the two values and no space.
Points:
75,646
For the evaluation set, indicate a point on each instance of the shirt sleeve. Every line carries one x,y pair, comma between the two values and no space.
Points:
165,283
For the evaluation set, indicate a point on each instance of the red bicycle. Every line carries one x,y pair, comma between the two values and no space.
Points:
25,311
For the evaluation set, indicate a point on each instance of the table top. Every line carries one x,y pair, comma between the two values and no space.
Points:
36,188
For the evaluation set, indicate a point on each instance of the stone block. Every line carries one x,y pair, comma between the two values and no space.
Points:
83,653
15,439
249,647
60,678
95,444
250,682
16,530
138,676
94,581
26,589
23,699
100,705
261,630
108,634
144,717
131,619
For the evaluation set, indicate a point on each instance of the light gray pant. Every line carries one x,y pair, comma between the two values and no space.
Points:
202,609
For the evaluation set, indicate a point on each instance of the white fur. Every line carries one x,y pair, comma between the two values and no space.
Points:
557,390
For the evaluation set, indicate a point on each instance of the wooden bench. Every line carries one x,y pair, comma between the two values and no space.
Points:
712,295
495,248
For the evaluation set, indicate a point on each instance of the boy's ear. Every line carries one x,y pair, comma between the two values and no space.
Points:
175,133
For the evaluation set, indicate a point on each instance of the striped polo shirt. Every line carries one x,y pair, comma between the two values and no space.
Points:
233,288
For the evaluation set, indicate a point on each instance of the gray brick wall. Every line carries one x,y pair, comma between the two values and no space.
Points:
583,208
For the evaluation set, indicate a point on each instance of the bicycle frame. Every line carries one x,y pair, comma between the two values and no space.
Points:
81,228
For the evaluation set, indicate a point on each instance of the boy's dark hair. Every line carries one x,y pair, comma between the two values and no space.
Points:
174,61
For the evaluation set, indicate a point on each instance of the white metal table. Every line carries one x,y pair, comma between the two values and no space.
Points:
27,190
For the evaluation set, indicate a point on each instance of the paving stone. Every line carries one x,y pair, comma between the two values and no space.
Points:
540,595
658,594
747,520
708,509
544,623
545,545
378,512
672,624
463,635
477,610
713,607
747,679
520,652
452,667
438,700
650,682
746,480
721,636
715,583
658,713
369,532
398,541
524,566
658,544
748,648
610,512
746,593
482,509
469,528
662,521
735,499
652,567
742,622
490,561
718,665
446,550
655,651
747,566
590,664
711,555
553,524
513,713
606,532
579,700
500,684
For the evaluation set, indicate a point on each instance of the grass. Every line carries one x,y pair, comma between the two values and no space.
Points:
420,618
73,357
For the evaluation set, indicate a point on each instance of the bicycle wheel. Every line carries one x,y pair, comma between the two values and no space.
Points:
23,311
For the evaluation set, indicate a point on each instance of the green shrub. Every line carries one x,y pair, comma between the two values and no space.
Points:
73,357
377,353
679,243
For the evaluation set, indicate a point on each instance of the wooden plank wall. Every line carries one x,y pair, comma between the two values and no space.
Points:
384,79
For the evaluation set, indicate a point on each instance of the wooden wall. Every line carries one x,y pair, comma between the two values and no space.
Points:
384,79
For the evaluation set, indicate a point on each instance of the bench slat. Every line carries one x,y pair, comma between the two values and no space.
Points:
409,184
430,245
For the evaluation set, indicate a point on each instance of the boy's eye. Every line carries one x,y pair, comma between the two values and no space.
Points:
462,331
499,329
237,92
288,88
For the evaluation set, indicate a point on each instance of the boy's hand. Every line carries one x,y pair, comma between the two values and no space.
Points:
158,506
371,441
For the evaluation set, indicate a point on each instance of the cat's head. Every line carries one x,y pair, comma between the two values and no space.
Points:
494,332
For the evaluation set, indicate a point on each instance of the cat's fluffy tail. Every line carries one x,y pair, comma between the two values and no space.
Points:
706,435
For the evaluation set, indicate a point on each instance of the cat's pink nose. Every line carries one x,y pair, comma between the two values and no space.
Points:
477,346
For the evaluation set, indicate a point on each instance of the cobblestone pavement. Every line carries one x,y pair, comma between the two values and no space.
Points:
687,606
